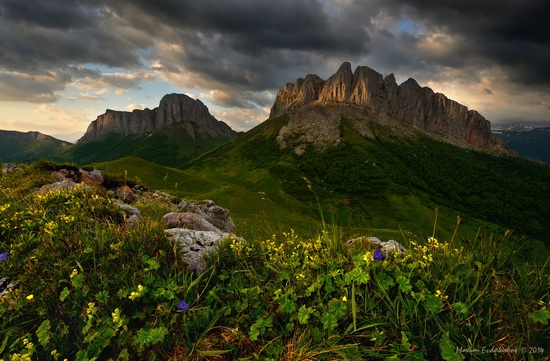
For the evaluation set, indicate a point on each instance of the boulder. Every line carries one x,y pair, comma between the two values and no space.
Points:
390,246
189,220
196,245
125,194
200,215
65,185
11,168
93,178
129,214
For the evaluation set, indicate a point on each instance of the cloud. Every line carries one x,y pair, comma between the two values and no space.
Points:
240,52
241,119
242,99
85,96
131,107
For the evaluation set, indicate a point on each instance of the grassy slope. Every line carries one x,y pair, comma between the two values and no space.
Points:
91,287
171,146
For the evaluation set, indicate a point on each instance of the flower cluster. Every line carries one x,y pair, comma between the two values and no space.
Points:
137,294
294,252
439,294
117,320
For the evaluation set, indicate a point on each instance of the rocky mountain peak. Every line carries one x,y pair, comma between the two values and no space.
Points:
173,109
371,96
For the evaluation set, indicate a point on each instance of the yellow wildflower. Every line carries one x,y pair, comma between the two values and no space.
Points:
30,297
344,299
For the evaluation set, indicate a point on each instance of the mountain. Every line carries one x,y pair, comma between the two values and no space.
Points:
366,96
174,109
22,147
180,129
530,142
363,168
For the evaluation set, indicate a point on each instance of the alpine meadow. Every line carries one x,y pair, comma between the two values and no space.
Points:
363,220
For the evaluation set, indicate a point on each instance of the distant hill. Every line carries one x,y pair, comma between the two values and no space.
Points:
530,142
28,146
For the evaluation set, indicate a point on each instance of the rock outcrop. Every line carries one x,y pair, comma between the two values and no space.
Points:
368,92
173,109
204,224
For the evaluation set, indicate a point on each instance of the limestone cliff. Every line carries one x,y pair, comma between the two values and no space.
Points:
173,109
368,93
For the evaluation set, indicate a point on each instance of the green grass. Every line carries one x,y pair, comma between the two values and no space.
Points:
103,289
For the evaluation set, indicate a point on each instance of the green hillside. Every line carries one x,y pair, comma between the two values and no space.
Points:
29,146
172,146
390,180
363,185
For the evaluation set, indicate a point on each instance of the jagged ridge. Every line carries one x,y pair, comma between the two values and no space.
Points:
173,109
381,98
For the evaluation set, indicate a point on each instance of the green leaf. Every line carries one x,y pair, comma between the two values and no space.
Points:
405,345
64,294
259,327
329,321
385,280
43,333
303,314
157,334
78,281
153,264
541,316
337,307
448,349
286,305
460,308
143,338
404,284
433,304
102,296
363,277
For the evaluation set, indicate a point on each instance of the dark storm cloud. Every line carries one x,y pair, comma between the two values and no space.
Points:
242,47
513,34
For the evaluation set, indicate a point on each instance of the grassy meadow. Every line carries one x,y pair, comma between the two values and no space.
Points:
90,287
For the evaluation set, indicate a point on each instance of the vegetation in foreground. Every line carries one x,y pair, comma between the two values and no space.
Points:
92,287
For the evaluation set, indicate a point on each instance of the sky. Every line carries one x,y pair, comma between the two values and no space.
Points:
64,62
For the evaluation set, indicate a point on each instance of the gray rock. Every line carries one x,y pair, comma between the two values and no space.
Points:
204,213
5,286
65,185
196,244
129,213
92,178
189,220
386,247
11,168
125,194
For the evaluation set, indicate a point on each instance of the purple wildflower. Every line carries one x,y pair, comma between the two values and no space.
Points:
4,256
378,255
183,306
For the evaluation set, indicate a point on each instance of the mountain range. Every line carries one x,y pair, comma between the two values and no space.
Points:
356,149
529,141
178,130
